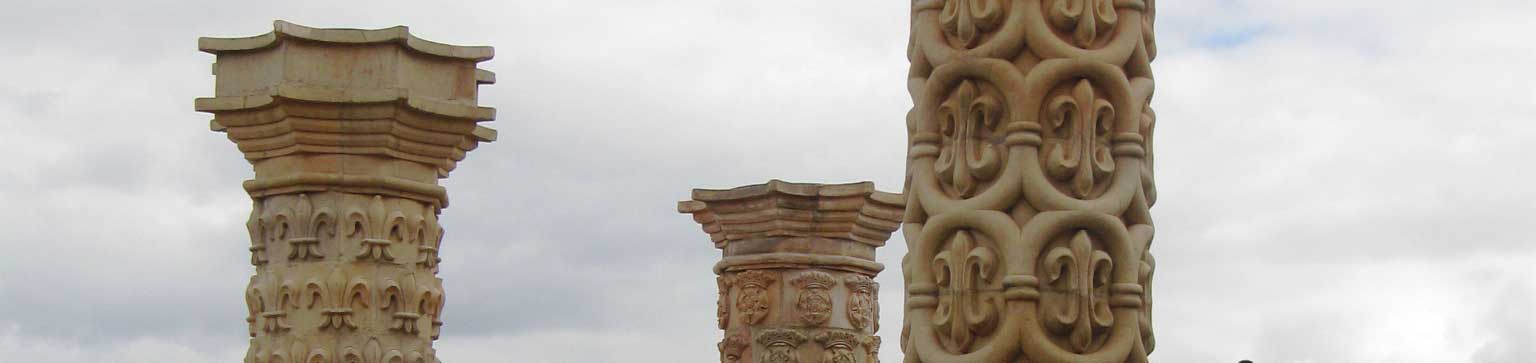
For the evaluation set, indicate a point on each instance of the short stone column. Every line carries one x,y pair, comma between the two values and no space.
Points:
796,281
348,132
1030,186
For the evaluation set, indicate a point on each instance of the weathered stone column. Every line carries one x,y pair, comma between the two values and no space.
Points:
348,132
1029,182
796,281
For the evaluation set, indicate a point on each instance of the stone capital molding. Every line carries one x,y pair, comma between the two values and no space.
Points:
348,132
798,265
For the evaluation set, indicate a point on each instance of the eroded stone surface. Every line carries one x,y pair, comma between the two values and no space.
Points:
796,278
1029,182
348,132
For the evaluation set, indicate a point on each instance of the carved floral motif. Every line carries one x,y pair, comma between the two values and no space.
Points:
1075,301
969,156
1077,146
1086,20
967,20
376,233
962,271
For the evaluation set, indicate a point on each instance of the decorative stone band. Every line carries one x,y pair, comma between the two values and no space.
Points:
795,260
398,34
776,209
272,95
359,184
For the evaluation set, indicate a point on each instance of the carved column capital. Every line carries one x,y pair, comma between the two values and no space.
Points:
348,132
798,265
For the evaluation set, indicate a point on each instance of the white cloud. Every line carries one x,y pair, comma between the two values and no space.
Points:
1340,181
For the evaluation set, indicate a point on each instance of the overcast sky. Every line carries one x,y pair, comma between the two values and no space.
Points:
1340,181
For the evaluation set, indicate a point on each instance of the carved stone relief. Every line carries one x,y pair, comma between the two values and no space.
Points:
1029,181
344,235
752,300
814,301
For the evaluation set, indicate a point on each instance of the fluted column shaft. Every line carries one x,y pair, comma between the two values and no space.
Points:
796,280
348,132
1029,182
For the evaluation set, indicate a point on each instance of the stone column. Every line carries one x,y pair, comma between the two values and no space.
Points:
348,132
1029,182
796,280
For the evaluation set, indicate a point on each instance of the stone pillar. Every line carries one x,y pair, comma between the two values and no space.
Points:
1029,182
348,132
796,278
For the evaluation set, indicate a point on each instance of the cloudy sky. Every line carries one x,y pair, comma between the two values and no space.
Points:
1340,181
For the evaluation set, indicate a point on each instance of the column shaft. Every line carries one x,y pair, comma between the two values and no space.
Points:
1029,182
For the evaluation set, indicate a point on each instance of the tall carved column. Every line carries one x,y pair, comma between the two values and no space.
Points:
796,281
1029,182
348,132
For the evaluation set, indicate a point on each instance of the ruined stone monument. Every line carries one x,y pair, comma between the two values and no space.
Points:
796,280
348,132
1029,182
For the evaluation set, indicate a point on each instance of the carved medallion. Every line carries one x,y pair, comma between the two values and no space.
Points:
752,300
862,305
815,299
732,347
780,345
722,303
837,346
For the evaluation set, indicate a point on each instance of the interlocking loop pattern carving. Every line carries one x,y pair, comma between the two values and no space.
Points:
1029,182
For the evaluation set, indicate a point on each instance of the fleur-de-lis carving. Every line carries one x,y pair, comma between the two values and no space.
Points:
271,302
339,298
305,226
430,237
966,122
1086,18
397,296
376,232
966,20
257,228
1080,124
961,271
1076,282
